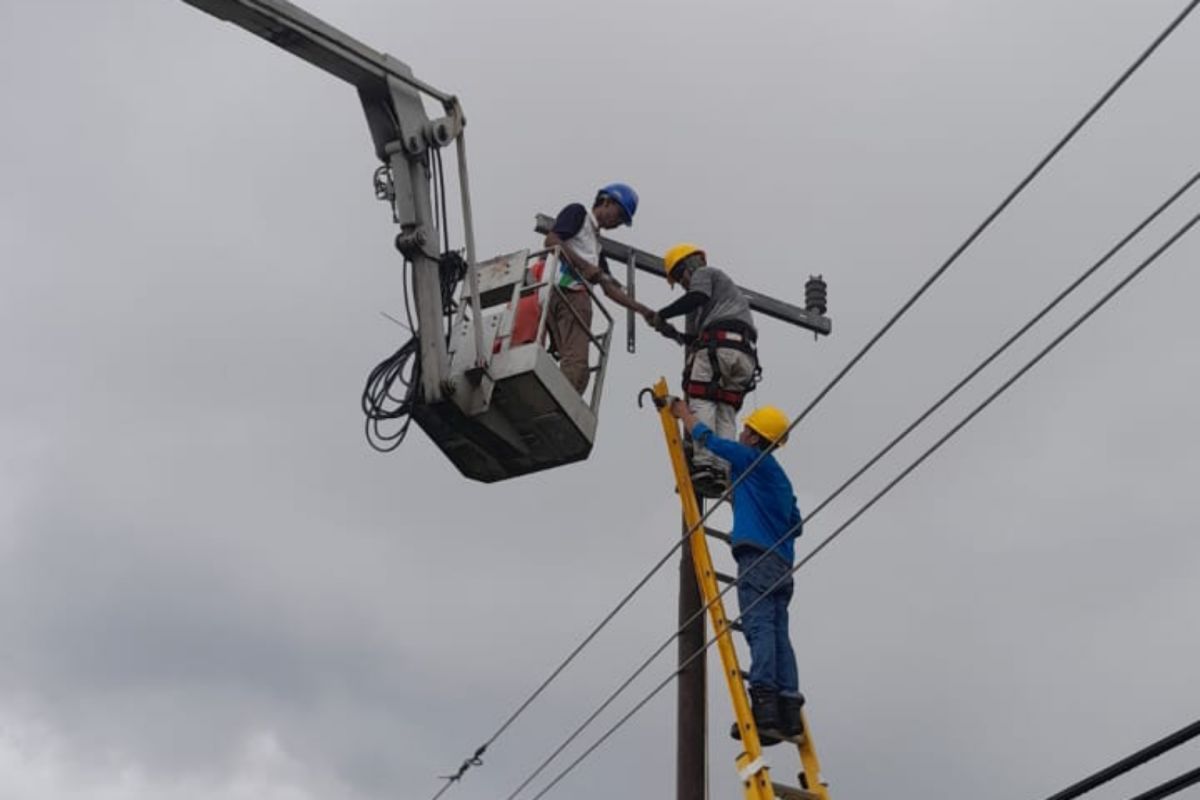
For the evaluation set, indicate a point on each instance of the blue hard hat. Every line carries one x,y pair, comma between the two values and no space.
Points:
625,196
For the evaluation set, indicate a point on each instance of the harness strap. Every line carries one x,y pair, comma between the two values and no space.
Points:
710,390
711,340
714,339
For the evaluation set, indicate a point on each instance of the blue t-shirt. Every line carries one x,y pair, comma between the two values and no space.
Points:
764,505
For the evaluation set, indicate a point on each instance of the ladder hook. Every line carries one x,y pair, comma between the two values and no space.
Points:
659,402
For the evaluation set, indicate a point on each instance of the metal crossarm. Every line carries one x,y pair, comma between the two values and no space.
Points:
750,765
809,319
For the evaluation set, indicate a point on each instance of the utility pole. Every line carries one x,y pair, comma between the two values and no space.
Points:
691,691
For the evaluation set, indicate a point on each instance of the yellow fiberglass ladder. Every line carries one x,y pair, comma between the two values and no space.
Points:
750,764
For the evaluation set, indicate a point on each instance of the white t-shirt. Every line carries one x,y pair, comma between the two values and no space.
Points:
580,232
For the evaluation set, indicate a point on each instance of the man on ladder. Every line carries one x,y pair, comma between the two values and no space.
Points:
721,365
766,521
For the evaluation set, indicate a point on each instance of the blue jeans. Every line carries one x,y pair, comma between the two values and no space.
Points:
765,620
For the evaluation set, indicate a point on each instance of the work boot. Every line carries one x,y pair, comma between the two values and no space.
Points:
764,738
709,481
764,705
790,722
764,702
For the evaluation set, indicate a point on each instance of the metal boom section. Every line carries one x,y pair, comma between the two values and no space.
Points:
403,135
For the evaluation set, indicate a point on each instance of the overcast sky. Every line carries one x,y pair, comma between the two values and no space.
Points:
211,587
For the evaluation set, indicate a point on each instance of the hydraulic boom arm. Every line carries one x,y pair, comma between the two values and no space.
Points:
403,135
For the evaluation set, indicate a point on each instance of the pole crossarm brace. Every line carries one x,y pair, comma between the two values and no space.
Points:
287,26
764,304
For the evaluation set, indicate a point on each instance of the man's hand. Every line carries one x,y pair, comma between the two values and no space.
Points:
655,320
682,411
668,330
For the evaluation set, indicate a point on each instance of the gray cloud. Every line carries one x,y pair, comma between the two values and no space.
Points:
211,587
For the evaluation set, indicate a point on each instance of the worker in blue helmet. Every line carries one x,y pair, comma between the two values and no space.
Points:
576,231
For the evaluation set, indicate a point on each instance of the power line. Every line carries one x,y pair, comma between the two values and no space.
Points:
1172,786
645,664
970,376
1115,770
886,489
474,760
1091,112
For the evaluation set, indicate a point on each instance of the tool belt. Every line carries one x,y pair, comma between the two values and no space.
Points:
734,335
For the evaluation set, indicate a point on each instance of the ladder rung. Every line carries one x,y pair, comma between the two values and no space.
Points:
793,793
723,577
716,534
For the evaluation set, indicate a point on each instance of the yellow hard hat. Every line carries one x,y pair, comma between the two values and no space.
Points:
675,254
770,423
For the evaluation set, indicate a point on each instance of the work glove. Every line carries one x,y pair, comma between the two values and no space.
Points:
666,329
669,331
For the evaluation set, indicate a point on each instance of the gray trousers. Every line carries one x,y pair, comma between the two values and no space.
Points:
737,372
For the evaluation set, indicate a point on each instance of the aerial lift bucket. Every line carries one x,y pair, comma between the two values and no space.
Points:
510,410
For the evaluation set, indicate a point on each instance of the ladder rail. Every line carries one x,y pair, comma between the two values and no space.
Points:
753,770
751,767
810,764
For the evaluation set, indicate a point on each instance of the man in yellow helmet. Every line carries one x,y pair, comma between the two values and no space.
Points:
766,521
721,363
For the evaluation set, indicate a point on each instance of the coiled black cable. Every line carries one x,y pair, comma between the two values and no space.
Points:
384,406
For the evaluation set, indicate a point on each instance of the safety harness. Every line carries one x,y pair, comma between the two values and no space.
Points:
734,335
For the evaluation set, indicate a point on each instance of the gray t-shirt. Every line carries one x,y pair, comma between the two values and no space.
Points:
726,302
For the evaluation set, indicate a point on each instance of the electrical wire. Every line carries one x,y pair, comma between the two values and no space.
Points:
1172,786
881,493
788,535
1119,768
954,256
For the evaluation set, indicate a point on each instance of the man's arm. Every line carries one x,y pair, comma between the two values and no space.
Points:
614,291
698,292
684,305
680,410
688,303
589,272
668,330
738,455
595,275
